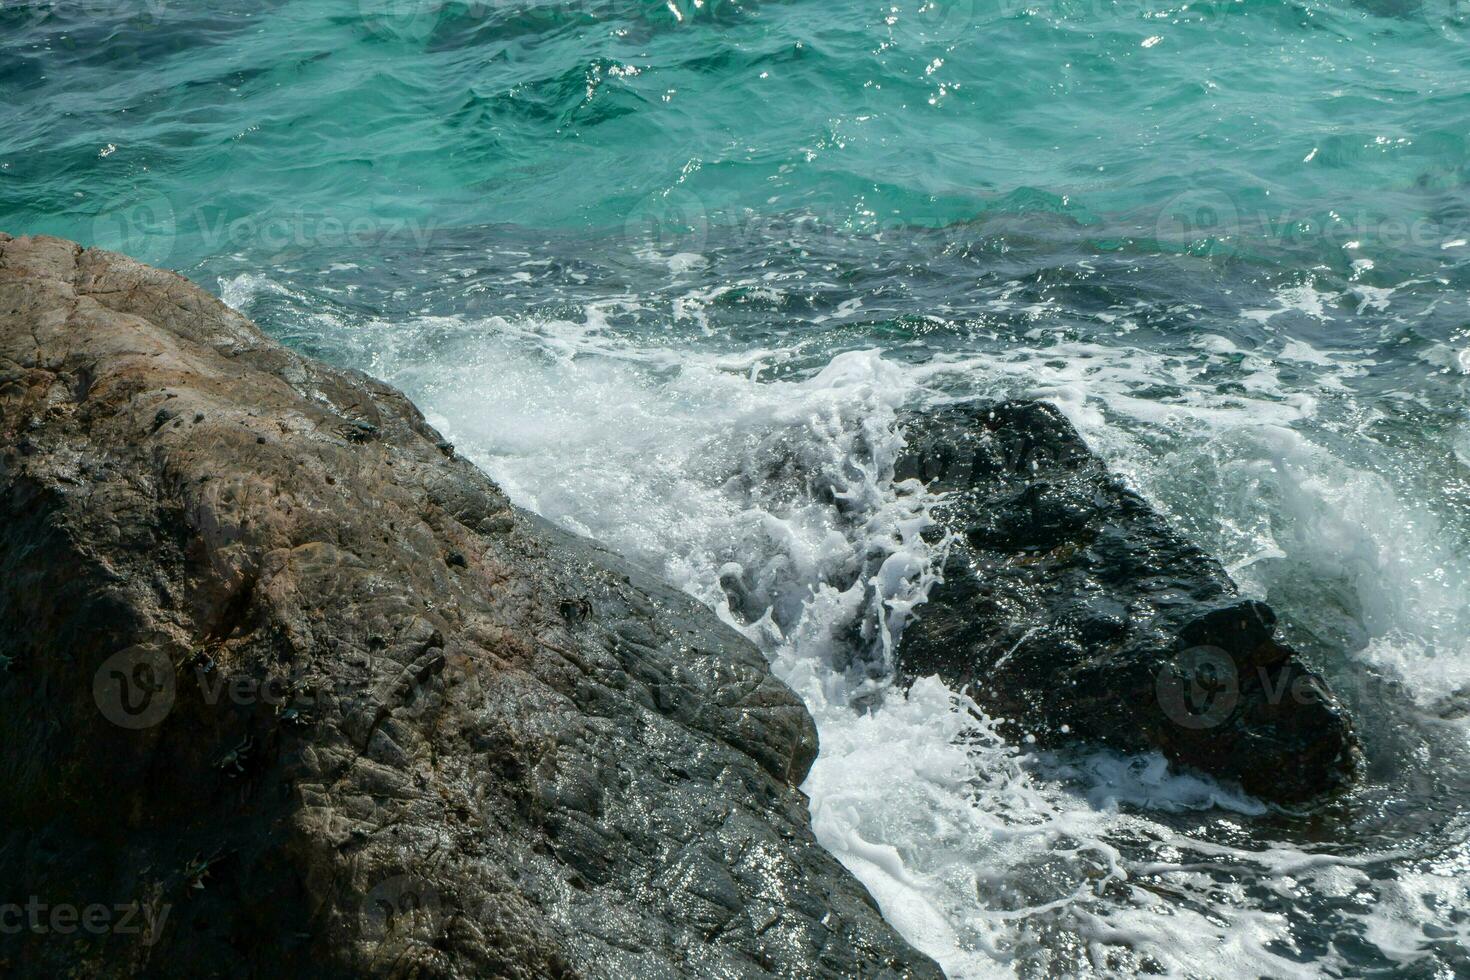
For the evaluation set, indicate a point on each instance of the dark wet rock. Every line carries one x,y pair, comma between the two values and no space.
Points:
287,689
1071,609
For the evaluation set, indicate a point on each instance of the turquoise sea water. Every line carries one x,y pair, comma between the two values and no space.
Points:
629,253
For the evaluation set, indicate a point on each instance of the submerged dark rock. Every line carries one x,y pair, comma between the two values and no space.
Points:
1071,609
288,689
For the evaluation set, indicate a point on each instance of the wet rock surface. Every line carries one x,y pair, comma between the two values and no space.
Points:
286,688
1071,609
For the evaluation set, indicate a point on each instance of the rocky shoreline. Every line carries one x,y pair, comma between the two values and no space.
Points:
290,688
296,691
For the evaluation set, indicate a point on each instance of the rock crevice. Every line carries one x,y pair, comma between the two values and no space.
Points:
305,693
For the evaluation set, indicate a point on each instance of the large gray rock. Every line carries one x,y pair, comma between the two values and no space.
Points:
1070,609
286,688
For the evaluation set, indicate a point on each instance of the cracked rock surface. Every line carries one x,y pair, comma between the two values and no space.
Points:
286,688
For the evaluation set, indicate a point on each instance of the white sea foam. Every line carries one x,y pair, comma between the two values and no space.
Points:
995,861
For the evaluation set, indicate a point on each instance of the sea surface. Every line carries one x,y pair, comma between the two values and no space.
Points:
636,257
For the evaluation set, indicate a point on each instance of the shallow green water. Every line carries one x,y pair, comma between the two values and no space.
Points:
1293,127
619,250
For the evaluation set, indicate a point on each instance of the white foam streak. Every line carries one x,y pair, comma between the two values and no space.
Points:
773,502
